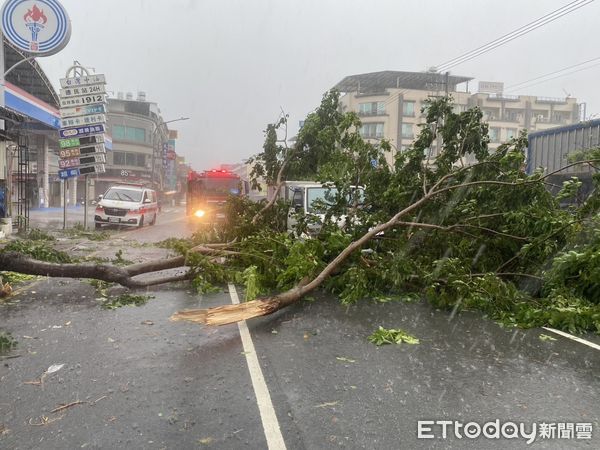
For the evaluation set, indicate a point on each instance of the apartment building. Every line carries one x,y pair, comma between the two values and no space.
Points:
390,104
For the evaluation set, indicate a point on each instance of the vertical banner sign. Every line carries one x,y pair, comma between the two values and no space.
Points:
171,172
83,124
165,149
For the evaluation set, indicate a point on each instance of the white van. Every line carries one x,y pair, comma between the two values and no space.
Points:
127,204
303,194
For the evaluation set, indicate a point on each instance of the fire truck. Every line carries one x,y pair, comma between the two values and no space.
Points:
208,192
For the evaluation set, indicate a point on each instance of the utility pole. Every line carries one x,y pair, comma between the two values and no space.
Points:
446,80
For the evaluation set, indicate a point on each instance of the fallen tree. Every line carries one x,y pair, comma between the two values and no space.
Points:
527,225
125,276
448,220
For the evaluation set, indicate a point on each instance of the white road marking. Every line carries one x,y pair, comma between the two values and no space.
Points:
574,338
263,398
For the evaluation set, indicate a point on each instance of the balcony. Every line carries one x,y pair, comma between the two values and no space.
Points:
552,120
503,97
517,118
377,136
374,93
371,113
562,101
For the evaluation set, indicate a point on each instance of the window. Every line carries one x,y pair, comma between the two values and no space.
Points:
124,133
408,109
407,130
490,114
494,134
119,158
512,115
511,133
129,159
371,108
372,130
123,194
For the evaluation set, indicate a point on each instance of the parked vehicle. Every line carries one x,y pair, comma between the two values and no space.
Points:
312,198
126,204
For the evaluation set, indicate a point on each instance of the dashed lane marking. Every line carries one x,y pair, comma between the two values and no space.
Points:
263,398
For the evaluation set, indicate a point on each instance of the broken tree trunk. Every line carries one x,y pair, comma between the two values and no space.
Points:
16,262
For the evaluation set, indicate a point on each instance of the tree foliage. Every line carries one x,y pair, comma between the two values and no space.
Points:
485,235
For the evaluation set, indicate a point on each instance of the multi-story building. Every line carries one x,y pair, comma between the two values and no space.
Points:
138,133
390,104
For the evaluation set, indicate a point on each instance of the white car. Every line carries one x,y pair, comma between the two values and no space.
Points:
130,205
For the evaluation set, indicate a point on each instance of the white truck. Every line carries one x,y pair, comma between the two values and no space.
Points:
308,197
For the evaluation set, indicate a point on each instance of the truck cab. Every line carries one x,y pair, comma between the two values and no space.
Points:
208,193
311,198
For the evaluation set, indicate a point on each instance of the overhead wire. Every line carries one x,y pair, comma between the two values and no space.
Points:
512,86
553,78
525,29
508,37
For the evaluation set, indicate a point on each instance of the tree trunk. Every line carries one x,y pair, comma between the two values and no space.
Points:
16,262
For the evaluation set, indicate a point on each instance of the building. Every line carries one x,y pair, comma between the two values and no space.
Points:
138,133
550,150
389,104
28,140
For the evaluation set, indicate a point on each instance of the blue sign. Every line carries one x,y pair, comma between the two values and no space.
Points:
40,29
68,173
82,131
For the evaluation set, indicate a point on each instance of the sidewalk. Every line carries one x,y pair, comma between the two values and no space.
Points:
53,217
55,209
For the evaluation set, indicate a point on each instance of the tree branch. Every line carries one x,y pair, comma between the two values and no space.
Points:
280,181
459,225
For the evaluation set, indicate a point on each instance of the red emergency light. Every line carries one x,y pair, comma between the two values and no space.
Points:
214,173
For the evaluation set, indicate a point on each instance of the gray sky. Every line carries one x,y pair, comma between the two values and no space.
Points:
230,65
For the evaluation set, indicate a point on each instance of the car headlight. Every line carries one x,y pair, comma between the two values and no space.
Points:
199,213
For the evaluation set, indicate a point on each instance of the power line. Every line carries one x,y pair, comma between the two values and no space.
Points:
512,86
525,29
559,76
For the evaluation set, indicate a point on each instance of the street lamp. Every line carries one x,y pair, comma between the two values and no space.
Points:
156,147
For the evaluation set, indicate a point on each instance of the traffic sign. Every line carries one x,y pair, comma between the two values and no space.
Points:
82,131
78,142
89,89
84,160
82,110
83,124
68,173
75,172
98,168
83,120
69,102
77,151
97,78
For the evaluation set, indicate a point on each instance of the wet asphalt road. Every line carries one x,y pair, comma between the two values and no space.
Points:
151,383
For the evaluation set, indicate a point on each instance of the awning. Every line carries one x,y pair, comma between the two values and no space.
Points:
24,103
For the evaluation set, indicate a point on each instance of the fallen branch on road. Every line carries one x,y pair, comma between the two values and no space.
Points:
67,405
